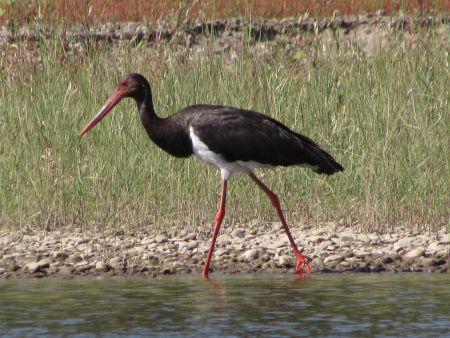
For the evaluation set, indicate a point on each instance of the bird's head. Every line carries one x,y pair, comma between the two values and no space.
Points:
132,85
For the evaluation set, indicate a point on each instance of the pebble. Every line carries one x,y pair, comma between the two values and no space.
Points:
239,233
387,260
361,254
59,254
249,255
346,237
284,261
276,226
115,261
333,258
402,244
414,253
434,247
188,245
315,239
191,236
75,258
101,266
221,252
161,239
242,249
324,245
34,267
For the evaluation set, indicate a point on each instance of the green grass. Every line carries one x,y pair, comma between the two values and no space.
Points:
385,117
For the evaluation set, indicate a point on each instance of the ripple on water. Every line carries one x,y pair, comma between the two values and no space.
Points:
350,305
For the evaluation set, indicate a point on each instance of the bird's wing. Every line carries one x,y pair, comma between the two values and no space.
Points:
242,135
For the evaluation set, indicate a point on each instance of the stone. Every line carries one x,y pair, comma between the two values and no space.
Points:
346,237
34,267
416,252
266,266
84,266
192,245
102,266
315,239
221,252
8,239
402,244
188,245
363,238
319,231
161,239
249,255
75,258
176,265
347,254
445,239
60,255
12,266
361,253
147,241
239,233
284,261
79,240
116,262
191,236
29,238
277,226
434,247
324,245
438,262
373,237
265,258
167,271
333,258
344,264
66,271
387,260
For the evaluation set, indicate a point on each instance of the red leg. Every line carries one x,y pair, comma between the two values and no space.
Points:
219,217
301,260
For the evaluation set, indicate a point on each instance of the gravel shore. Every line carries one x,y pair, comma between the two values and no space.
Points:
252,248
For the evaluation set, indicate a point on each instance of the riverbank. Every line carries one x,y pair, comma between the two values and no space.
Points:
253,248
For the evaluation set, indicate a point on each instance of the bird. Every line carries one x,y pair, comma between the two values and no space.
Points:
231,139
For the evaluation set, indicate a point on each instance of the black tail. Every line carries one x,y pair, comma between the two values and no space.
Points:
319,160
329,166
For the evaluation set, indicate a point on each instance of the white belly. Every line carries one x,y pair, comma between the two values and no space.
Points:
203,153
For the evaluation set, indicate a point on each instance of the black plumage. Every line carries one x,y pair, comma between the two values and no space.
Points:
244,135
232,139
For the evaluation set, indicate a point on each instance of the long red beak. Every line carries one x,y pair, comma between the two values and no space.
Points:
112,101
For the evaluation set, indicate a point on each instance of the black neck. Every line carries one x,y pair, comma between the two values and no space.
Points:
165,132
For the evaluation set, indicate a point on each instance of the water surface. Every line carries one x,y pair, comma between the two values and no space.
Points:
353,305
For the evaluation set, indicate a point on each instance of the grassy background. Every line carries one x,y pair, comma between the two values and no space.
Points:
385,117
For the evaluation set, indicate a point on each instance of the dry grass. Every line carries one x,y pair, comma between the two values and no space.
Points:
100,11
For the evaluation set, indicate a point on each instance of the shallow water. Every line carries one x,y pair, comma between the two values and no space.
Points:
353,305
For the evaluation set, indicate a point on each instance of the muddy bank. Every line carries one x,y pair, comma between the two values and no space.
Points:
251,249
259,29
367,31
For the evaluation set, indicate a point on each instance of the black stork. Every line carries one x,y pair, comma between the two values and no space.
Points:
231,139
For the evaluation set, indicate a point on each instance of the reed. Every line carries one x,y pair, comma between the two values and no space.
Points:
385,117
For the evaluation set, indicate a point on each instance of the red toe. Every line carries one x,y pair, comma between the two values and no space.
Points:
302,264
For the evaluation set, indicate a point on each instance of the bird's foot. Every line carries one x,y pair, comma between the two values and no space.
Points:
205,274
302,263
